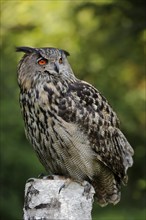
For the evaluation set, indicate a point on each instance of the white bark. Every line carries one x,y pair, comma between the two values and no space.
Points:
44,202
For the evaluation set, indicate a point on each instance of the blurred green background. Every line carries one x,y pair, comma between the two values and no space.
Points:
106,41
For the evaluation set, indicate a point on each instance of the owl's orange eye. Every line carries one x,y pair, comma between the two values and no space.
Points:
60,60
42,61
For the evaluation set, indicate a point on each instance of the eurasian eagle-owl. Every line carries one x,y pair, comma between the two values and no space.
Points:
71,126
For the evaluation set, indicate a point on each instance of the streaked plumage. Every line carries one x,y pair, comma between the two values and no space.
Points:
71,126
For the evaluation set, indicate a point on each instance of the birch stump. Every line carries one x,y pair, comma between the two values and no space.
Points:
44,202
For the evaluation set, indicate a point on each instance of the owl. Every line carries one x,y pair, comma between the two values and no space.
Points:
71,126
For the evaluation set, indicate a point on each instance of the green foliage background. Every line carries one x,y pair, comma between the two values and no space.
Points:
106,41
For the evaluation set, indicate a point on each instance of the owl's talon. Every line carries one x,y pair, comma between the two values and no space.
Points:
41,175
48,177
65,184
30,180
62,186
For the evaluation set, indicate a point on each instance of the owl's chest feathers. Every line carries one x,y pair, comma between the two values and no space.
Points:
58,144
39,111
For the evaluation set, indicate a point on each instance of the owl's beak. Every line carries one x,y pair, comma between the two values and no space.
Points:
56,67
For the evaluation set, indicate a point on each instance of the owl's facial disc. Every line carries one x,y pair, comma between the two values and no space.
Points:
48,62
52,60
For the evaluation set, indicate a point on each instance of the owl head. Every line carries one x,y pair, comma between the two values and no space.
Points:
43,64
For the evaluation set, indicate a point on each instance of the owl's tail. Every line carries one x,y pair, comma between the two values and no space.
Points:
107,188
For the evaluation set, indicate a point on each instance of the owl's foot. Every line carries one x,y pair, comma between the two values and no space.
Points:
47,177
50,177
87,187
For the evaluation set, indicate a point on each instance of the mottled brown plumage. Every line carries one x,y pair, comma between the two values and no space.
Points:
71,126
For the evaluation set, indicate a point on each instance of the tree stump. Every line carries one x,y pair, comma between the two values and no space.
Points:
43,201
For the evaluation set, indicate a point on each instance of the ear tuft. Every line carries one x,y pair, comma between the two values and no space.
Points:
66,53
25,49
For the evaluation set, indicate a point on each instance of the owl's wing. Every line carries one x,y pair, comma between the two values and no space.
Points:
90,111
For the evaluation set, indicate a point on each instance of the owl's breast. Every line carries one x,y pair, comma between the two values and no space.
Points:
61,147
